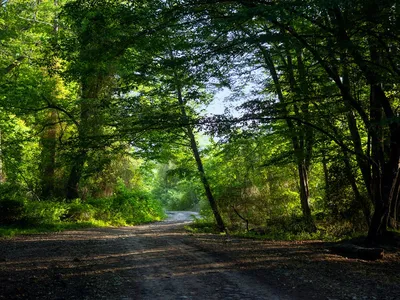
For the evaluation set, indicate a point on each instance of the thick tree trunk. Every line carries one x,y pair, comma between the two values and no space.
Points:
393,221
304,191
72,191
48,157
378,226
87,127
385,174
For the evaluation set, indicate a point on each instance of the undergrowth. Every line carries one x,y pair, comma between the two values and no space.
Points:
282,229
22,216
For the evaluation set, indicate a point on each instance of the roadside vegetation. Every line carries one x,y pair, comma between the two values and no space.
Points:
20,215
103,116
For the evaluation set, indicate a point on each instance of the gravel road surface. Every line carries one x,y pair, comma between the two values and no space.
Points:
153,261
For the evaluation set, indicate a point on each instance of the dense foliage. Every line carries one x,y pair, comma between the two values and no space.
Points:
103,101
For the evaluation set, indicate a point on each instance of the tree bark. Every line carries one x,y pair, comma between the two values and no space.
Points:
379,194
326,176
48,157
394,213
87,127
305,194
72,191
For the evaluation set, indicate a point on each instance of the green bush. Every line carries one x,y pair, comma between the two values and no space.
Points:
101,208
294,224
43,212
136,206
78,211
124,208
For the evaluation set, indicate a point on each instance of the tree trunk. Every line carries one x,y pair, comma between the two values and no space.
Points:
380,195
306,139
326,176
204,180
87,127
305,196
394,214
360,199
362,162
302,143
72,191
48,157
197,157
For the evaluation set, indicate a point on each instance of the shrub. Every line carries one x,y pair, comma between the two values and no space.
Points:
78,211
124,208
43,212
294,224
127,208
136,206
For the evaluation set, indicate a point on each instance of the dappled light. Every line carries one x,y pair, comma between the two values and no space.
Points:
156,257
199,149
161,261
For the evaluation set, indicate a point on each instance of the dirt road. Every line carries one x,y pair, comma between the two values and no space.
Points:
153,261
162,261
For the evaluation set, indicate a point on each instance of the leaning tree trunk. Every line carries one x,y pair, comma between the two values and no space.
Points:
204,180
197,157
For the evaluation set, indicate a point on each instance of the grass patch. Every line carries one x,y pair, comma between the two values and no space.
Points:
15,230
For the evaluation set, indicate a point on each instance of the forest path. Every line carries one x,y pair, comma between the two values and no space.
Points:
163,261
153,261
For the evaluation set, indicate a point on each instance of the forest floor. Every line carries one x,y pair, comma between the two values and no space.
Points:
163,261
